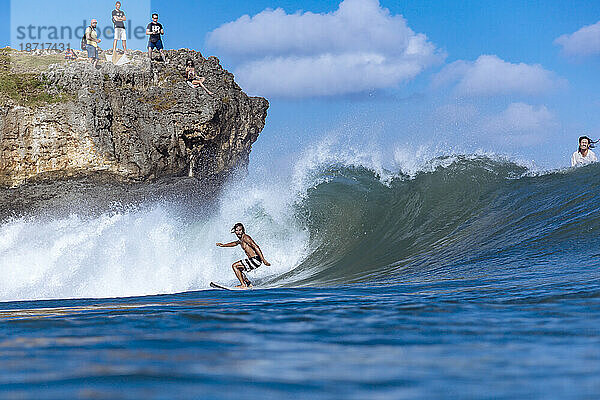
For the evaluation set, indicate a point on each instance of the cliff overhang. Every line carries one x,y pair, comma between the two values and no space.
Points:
136,122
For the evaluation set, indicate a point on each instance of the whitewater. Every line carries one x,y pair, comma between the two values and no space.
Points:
388,280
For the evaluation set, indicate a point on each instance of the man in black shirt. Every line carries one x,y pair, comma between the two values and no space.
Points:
155,30
118,18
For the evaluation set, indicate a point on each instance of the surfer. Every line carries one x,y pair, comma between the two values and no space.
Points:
118,17
255,256
154,30
193,79
584,155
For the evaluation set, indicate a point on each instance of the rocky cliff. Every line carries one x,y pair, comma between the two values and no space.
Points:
132,123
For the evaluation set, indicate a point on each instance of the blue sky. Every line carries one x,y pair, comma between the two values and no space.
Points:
404,79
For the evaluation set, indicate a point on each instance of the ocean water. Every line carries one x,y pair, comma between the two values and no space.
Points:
465,276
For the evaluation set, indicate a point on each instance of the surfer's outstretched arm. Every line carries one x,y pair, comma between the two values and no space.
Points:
230,244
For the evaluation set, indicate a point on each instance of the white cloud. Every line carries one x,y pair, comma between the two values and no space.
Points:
517,125
584,42
489,75
356,48
521,123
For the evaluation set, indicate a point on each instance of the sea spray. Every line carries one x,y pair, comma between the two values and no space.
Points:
149,249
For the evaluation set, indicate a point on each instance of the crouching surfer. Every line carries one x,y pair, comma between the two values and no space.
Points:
255,256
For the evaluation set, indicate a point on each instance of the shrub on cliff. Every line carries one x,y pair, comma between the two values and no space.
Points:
25,89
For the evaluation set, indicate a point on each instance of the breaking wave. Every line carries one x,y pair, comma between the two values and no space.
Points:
338,219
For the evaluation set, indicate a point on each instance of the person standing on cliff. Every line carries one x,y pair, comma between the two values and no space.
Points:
155,30
91,40
255,256
118,18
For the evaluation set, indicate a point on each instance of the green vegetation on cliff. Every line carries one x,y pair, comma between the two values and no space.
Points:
26,88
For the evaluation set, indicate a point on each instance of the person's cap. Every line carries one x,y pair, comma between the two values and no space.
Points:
94,20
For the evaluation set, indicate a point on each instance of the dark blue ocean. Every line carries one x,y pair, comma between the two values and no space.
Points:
472,278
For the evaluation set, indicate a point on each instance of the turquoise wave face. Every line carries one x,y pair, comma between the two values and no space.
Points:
472,217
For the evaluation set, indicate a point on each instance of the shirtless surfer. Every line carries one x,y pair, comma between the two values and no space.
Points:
255,256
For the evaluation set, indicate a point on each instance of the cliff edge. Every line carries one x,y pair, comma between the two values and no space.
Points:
136,122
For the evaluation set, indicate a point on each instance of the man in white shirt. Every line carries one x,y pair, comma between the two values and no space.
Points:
583,155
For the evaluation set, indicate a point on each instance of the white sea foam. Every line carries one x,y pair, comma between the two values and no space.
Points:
399,161
334,150
149,250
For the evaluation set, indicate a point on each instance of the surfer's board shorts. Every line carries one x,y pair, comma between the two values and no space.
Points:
251,263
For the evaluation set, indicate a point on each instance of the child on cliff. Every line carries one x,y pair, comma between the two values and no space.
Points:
70,54
193,79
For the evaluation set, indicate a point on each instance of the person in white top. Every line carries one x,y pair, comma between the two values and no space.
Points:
583,155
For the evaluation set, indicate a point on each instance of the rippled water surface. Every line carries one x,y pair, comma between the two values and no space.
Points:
460,339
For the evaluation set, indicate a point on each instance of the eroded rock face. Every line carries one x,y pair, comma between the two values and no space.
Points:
135,122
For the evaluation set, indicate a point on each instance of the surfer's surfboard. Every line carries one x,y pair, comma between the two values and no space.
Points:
217,286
